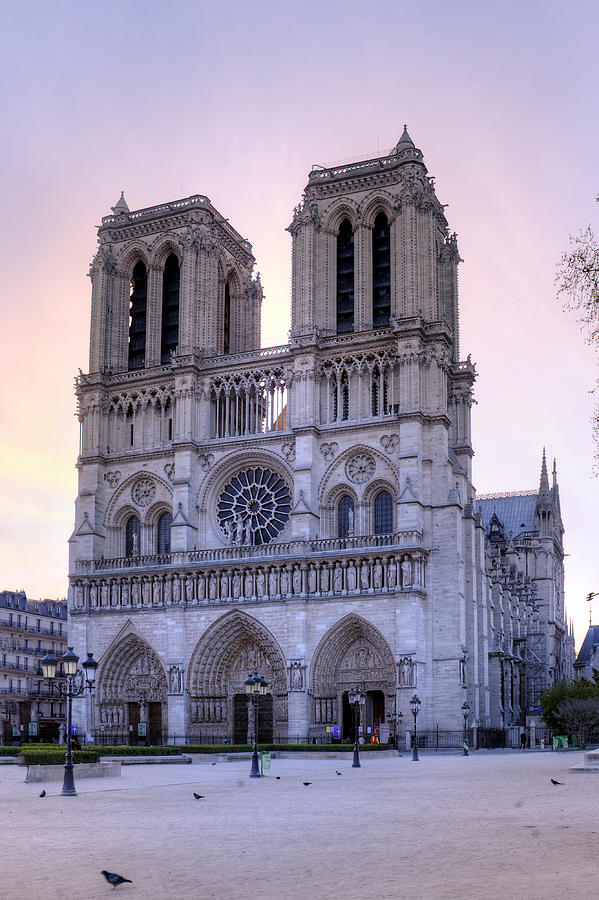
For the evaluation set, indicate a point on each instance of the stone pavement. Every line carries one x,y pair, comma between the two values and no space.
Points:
490,824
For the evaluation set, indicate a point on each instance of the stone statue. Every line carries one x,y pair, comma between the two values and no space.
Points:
213,586
236,586
377,575
297,580
135,592
324,579
337,578
312,579
364,576
351,577
260,583
350,521
189,589
391,576
176,589
224,586
248,587
273,583
125,593
104,594
201,587
156,592
284,581
406,573
296,676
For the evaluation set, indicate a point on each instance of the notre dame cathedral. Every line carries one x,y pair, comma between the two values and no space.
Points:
306,511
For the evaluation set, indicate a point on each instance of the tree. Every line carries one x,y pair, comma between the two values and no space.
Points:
577,278
580,717
572,706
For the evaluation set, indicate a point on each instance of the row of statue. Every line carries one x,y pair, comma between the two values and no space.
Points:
332,577
208,709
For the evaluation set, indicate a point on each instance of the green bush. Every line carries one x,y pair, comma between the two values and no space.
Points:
54,755
10,751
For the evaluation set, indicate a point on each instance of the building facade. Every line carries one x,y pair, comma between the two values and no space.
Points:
305,511
28,630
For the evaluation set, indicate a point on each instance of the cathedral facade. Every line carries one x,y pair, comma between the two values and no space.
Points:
304,511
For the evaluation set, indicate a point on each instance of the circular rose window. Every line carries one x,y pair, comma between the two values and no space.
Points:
254,507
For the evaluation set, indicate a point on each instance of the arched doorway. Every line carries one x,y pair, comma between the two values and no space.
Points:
231,649
353,653
132,694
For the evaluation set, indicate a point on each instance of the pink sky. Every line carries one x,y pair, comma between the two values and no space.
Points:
237,101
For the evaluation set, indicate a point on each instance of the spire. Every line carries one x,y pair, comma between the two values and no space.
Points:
554,474
544,483
405,142
120,208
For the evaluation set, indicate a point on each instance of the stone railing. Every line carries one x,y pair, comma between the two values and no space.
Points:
286,550
247,356
352,574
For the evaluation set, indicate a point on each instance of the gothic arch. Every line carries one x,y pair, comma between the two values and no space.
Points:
163,248
224,470
136,251
385,471
122,498
353,651
232,648
380,202
130,673
338,211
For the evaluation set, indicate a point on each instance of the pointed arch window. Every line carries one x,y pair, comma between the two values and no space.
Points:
383,513
381,271
345,517
345,278
170,308
227,320
137,316
163,543
132,536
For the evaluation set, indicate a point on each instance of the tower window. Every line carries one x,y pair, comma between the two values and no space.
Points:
381,271
227,320
345,517
164,533
383,513
132,531
170,308
137,317
345,278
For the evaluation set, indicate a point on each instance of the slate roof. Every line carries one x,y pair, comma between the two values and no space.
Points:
589,646
515,510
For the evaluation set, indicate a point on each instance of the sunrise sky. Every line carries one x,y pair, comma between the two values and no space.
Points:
237,101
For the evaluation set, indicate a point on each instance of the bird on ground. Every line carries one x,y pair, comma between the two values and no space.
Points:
338,773
43,794
553,781
114,879
198,796
278,777
306,783
212,764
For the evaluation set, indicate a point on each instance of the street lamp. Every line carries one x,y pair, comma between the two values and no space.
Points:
77,682
396,718
357,699
415,704
255,687
465,711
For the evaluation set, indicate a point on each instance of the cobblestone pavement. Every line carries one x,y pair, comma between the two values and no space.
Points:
489,825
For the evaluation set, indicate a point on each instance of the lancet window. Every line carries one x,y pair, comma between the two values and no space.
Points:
163,533
381,271
379,392
383,513
170,308
137,316
227,320
345,278
345,517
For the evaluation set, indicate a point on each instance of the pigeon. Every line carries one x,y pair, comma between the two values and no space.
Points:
43,794
553,781
278,777
114,879
198,796
212,764
338,773
306,783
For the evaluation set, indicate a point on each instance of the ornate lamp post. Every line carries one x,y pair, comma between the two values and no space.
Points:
77,682
415,704
465,711
396,718
255,687
357,699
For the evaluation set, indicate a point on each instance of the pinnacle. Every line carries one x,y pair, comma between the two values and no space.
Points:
405,140
120,206
544,482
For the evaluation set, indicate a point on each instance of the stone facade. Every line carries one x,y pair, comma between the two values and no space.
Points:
304,511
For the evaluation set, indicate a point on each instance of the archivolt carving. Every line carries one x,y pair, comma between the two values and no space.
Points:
352,651
231,648
132,672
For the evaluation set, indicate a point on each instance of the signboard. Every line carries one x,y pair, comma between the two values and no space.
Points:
33,729
264,761
384,733
337,731
15,731
141,729
74,729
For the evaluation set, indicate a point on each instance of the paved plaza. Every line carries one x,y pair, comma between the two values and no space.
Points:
490,825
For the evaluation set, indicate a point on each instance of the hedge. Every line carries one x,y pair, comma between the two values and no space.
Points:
54,754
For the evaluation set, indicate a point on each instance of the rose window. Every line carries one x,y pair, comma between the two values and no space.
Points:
254,507
360,468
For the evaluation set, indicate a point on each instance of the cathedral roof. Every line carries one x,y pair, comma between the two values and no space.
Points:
515,510
589,646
